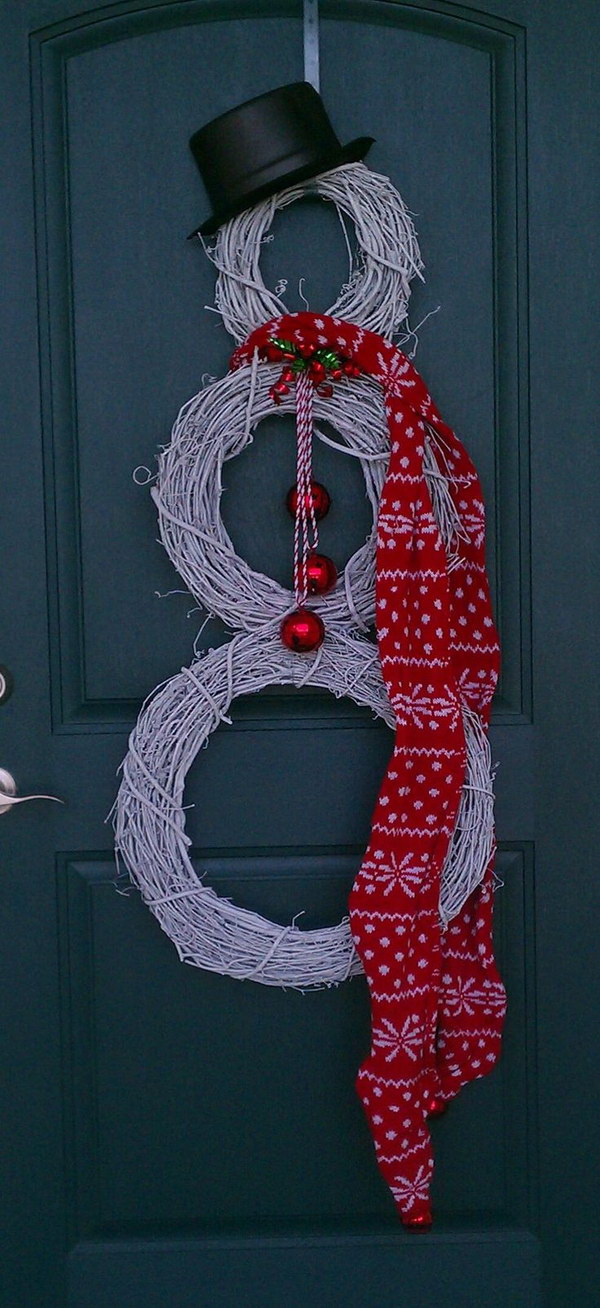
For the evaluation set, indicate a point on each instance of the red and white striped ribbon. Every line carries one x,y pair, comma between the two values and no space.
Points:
306,535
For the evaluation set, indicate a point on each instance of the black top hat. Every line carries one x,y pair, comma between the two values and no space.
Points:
264,145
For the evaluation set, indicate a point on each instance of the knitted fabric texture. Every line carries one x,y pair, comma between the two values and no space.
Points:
437,1002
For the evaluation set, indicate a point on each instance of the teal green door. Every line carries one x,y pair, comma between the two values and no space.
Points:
172,1138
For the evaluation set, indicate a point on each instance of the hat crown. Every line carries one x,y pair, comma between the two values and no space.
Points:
264,144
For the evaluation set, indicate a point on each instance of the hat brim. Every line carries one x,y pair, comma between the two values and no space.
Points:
351,153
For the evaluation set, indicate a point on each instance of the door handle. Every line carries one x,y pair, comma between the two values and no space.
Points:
8,793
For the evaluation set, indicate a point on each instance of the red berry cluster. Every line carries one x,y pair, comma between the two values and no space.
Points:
319,364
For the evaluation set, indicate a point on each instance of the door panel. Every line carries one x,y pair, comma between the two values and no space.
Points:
113,339
176,1137
129,1060
360,1270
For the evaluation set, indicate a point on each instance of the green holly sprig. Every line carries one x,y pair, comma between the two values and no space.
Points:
318,363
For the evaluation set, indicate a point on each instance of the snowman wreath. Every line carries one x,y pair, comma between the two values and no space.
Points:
420,910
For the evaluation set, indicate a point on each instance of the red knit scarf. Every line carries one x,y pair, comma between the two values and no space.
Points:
437,1002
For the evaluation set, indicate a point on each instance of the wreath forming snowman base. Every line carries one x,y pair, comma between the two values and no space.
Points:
208,930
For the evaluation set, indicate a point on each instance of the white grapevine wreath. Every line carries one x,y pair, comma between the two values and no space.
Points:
387,257
219,423
208,930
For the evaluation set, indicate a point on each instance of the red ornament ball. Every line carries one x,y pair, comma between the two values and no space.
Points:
302,631
319,497
321,574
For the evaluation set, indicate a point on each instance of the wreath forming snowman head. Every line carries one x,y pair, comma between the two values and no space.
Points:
420,909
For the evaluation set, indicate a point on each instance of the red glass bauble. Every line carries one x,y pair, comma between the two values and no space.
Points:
435,1107
420,1222
302,631
321,574
320,497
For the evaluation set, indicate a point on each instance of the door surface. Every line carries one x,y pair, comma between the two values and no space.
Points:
172,1137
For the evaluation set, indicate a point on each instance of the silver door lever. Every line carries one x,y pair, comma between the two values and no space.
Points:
8,793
